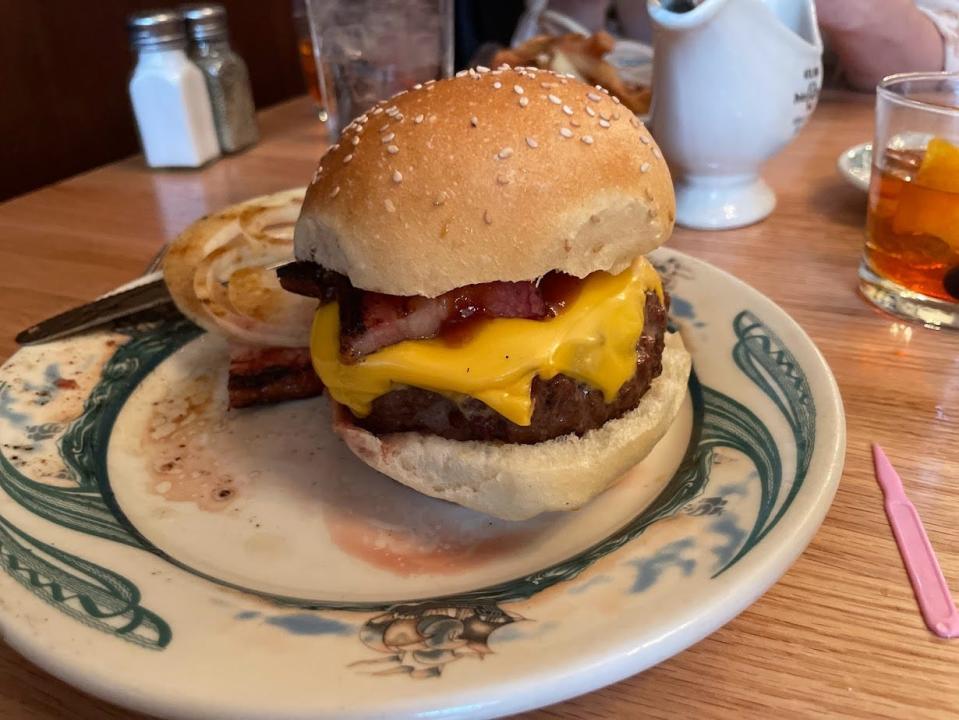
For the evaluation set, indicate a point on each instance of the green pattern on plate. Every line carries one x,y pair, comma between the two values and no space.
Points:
766,360
91,594
97,596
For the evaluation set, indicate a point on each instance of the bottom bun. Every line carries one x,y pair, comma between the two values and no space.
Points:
516,482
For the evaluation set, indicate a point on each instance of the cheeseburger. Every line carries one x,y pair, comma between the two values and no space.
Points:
488,328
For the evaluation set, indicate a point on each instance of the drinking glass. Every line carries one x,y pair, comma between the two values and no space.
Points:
910,266
367,50
304,49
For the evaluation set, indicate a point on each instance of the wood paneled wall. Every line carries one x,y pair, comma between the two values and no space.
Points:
64,68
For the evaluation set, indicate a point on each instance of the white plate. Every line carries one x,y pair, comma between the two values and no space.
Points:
188,562
855,165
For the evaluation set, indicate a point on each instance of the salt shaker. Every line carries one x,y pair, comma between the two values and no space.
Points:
226,76
169,96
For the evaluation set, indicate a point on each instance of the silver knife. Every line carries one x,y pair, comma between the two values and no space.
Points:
143,296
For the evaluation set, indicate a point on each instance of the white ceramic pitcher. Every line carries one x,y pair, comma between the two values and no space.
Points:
733,81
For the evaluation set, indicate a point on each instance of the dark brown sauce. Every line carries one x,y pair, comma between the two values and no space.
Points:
456,333
559,290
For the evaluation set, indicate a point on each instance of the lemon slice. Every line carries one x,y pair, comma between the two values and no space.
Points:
929,205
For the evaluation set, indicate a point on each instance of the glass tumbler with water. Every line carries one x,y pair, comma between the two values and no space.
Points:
367,50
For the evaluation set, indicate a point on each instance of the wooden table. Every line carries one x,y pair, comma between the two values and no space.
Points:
839,635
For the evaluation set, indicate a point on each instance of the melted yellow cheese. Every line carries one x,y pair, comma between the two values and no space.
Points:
593,340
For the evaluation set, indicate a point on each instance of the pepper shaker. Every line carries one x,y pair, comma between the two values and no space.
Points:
168,94
227,79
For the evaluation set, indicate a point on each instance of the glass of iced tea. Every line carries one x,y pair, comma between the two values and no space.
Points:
910,266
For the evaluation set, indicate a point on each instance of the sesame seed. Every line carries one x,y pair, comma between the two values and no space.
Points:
391,110
604,115
388,204
392,149
593,96
482,68
388,137
418,86
588,139
429,87
503,66
472,73
644,167
615,99
644,140
487,218
523,101
497,85
504,153
553,99
570,76
397,176
563,82
566,132
657,153
461,73
335,147
547,85
532,143
604,123
567,109
359,130
429,82
418,119
518,89
377,111
634,121
590,111
355,140
336,191
401,92
347,159
474,121
362,118
574,123
440,199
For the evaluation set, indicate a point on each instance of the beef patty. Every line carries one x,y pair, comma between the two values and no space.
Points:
561,405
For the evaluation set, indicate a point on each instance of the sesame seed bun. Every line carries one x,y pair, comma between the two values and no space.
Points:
492,175
514,481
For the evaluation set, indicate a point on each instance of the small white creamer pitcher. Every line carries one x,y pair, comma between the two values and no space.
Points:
733,82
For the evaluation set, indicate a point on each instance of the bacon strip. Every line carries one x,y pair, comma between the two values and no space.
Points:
260,376
370,321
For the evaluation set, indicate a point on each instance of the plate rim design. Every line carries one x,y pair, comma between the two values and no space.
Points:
618,662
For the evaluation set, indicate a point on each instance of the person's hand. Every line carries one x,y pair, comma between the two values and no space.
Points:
875,39
852,15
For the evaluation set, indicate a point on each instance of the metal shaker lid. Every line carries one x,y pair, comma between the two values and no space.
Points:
154,28
205,21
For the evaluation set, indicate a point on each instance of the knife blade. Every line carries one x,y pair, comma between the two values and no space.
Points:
143,296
